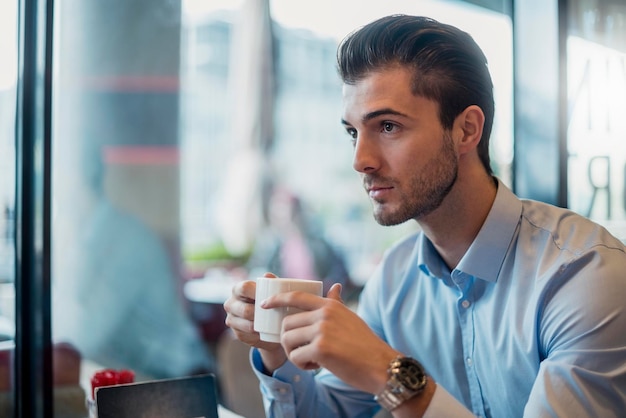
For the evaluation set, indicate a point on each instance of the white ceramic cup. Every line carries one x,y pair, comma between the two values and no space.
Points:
268,322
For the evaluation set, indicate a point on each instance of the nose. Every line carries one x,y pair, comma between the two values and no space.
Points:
366,157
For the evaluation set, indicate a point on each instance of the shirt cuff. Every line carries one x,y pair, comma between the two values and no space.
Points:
286,383
444,405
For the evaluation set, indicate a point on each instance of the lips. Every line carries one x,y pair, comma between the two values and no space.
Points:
378,192
377,187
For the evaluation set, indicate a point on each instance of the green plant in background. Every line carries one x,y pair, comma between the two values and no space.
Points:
215,253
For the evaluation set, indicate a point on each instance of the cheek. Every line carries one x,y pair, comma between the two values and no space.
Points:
406,161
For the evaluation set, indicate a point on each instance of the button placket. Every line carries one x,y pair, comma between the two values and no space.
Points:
466,317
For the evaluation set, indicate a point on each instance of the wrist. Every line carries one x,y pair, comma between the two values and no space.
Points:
381,371
272,360
416,406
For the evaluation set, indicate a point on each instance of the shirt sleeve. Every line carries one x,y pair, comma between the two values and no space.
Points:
291,392
279,397
444,405
583,369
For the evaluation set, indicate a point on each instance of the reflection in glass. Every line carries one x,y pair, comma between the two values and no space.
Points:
117,287
596,71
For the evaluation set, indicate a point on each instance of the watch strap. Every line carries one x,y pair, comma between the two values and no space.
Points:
395,392
388,399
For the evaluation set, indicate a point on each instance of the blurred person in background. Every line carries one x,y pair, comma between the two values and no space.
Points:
115,294
293,245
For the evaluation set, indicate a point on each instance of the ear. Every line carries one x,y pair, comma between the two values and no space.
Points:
469,125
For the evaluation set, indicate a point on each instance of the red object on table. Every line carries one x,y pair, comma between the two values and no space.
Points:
110,377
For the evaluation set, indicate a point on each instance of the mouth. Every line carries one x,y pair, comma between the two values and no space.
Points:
378,192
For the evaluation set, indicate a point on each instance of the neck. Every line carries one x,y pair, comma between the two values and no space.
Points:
455,224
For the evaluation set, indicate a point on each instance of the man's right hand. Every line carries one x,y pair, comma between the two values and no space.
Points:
240,318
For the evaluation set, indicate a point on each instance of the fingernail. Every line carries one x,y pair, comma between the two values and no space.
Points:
263,303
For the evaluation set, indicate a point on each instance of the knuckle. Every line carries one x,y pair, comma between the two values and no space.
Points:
248,311
326,312
247,288
323,348
250,327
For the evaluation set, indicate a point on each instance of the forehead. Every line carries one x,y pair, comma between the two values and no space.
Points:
389,88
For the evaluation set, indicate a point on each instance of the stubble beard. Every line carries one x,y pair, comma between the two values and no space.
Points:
427,189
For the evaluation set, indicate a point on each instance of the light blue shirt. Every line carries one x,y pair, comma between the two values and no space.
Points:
532,322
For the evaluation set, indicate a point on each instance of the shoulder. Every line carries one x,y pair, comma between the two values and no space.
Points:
568,253
580,271
564,229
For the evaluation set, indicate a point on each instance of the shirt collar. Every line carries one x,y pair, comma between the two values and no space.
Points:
485,256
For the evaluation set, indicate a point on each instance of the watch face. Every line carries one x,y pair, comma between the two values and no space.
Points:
410,373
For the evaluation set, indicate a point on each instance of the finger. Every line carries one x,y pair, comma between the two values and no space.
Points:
239,324
270,275
335,292
239,308
244,331
298,321
252,339
303,356
245,290
296,333
297,299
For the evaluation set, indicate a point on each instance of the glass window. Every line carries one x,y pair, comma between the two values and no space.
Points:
116,273
187,138
8,95
308,151
596,71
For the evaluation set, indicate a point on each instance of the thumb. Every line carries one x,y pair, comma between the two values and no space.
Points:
335,292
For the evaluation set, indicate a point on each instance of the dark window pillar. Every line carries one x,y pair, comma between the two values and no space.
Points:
540,170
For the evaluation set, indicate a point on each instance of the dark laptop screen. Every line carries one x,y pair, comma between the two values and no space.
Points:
187,397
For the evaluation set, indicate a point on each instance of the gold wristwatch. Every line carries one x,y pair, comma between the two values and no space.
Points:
407,379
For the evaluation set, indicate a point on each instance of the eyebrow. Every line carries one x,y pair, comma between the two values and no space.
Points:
375,114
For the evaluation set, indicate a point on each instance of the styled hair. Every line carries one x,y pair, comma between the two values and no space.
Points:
448,66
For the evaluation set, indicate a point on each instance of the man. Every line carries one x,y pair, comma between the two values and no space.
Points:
499,307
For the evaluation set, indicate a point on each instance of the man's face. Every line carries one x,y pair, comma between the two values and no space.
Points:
407,161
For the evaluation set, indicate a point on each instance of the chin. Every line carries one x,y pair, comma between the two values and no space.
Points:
389,219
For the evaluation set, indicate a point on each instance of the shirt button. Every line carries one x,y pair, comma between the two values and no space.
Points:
296,378
469,361
466,303
282,391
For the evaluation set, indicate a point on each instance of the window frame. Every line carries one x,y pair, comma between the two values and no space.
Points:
33,354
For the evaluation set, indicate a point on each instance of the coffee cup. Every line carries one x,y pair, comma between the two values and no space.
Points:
268,322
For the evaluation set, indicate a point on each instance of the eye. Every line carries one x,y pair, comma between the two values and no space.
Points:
352,133
388,127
